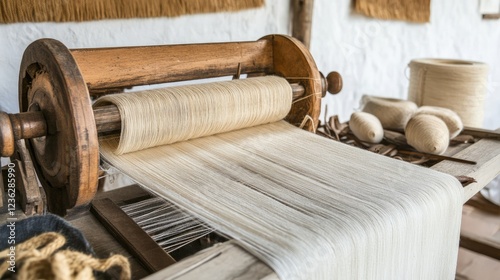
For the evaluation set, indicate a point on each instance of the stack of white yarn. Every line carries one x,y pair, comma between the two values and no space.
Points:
428,129
458,85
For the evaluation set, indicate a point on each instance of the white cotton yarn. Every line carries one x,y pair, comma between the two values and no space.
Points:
450,118
366,127
307,206
458,85
424,133
272,189
187,112
392,113
428,134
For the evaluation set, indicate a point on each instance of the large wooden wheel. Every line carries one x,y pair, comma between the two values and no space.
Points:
67,158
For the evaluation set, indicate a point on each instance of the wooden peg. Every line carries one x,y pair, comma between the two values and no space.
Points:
15,127
334,82
6,136
238,72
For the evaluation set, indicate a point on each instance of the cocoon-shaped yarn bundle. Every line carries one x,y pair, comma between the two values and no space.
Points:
366,127
450,118
392,113
428,134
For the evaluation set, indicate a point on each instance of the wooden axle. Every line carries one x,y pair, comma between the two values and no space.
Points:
33,124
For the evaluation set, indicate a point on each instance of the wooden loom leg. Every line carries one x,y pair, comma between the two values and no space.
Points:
208,262
31,196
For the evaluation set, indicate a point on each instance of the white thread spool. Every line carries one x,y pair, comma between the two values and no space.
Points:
366,127
450,118
392,113
428,134
454,84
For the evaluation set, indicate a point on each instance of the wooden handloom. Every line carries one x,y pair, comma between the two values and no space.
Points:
55,137
61,128
53,140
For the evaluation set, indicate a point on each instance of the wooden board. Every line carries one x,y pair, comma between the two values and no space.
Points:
486,153
131,235
103,243
131,66
473,266
480,240
214,262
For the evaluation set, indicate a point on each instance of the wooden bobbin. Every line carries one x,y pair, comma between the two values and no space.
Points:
61,128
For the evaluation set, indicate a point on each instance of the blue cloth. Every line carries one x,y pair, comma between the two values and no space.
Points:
36,225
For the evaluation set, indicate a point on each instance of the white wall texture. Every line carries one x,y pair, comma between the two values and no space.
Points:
221,27
370,54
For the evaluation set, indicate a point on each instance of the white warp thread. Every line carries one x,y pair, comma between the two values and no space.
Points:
309,207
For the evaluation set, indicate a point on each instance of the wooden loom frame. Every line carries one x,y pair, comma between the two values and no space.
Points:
56,132
51,69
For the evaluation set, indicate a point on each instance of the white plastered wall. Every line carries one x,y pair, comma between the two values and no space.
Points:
221,27
370,54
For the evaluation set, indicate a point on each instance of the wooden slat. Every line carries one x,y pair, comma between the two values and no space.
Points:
480,244
479,202
129,66
103,243
223,261
486,152
481,133
474,266
140,245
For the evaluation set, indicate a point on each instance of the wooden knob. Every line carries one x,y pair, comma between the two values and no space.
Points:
14,127
334,82
6,136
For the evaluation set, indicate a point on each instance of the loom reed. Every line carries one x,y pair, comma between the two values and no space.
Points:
169,226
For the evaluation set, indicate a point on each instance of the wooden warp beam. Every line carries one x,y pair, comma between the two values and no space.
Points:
409,10
12,11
